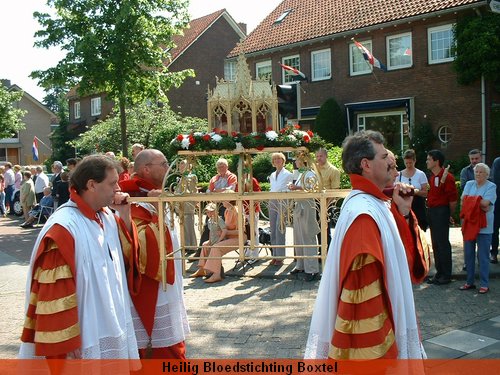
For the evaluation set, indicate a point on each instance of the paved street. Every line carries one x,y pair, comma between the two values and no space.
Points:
264,313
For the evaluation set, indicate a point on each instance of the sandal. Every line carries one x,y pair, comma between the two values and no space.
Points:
483,290
468,287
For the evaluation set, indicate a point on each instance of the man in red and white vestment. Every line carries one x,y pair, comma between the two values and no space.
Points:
77,300
365,307
160,318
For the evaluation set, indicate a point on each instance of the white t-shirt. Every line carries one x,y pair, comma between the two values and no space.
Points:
417,180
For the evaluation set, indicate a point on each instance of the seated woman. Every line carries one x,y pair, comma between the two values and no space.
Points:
43,208
214,262
217,233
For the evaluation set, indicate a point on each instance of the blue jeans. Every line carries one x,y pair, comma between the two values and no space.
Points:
9,196
2,203
483,242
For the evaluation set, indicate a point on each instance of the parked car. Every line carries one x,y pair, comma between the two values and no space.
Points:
18,208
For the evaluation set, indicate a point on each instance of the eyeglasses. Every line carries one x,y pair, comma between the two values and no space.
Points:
163,164
409,180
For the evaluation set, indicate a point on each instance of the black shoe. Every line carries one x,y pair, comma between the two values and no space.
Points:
431,280
295,271
442,281
464,268
310,276
494,260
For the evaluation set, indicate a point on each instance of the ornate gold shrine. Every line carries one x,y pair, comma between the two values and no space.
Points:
243,106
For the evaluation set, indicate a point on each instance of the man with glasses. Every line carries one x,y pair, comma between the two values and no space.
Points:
160,318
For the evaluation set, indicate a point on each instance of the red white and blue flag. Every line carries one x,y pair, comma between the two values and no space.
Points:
294,71
35,149
372,60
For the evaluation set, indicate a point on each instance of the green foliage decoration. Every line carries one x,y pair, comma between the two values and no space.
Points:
290,136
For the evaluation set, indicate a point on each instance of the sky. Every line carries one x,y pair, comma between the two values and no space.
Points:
17,28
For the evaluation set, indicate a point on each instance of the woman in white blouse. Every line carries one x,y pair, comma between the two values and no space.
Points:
279,180
415,177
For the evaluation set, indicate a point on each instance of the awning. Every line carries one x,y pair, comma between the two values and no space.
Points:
376,105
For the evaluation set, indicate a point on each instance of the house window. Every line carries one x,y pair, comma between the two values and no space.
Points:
444,134
399,53
393,125
357,63
440,41
3,154
263,70
283,16
230,70
321,64
294,62
76,107
95,106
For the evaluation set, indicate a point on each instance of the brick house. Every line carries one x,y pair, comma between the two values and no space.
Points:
412,38
203,48
39,122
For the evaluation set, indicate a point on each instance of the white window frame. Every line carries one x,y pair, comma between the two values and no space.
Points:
230,70
95,106
445,134
77,110
390,65
432,30
326,64
361,122
294,62
266,66
354,51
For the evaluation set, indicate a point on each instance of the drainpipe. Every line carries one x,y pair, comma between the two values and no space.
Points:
483,119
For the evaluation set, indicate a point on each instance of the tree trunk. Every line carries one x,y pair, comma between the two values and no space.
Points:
123,128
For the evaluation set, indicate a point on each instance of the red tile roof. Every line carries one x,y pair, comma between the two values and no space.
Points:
196,28
311,19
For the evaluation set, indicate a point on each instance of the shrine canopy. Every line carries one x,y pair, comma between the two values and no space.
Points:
243,105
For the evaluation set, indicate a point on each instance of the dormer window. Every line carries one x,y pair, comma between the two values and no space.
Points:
283,16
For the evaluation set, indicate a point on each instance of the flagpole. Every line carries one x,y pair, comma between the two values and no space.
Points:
39,140
369,65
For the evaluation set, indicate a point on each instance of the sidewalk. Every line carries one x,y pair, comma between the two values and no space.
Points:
265,313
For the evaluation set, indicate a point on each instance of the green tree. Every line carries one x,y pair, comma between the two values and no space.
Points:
62,136
10,116
477,48
151,125
114,46
330,123
422,140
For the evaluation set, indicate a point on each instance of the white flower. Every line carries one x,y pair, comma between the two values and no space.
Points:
239,146
271,135
299,133
291,137
198,134
185,142
216,138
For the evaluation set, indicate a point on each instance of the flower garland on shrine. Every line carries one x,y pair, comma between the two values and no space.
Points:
290,136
